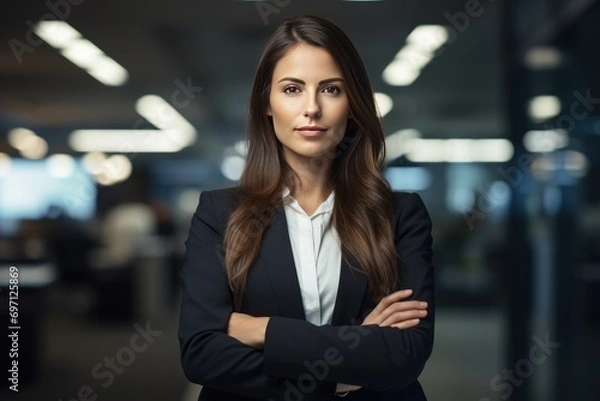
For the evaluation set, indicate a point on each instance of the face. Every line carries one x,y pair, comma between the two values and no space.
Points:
308,104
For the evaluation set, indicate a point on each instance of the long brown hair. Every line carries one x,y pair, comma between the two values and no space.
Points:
363,207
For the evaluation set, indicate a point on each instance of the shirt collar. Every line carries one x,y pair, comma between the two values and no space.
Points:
325,207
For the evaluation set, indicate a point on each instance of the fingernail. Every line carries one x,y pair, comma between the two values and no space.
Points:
424,304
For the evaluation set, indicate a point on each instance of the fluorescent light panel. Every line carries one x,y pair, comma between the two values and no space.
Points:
543,107
460,150
164,116
419,50
125,141
384,103
82,52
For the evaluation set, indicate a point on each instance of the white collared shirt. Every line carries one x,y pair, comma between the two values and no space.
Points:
317,255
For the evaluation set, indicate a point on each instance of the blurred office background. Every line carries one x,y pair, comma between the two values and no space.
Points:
114,120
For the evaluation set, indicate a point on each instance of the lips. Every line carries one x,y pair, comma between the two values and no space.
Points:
311,130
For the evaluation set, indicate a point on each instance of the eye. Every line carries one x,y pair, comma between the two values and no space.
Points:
291,90
332,90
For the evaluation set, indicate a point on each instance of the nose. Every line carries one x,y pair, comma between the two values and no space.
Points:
312,110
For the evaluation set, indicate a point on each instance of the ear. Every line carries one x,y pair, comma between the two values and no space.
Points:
269,112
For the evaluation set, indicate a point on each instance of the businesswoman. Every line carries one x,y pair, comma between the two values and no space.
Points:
311,280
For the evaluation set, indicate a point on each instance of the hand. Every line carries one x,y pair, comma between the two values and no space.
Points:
341,387
248,329
392,311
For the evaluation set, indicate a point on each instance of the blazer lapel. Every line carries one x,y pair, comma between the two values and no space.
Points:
276,253
351,292
278,258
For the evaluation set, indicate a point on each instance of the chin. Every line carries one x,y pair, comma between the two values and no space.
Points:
314,154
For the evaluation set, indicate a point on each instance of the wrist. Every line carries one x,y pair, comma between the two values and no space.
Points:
262,332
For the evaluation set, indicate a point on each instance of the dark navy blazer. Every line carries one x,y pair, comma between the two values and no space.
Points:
300,361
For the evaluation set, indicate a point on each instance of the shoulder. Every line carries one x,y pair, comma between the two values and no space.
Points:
222,200
412,223
226,196
219,203
407,204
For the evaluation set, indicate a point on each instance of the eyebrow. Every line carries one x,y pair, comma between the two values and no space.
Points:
301,82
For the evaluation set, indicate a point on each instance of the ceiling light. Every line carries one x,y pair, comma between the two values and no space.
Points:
399,143
414,56
241,147
108,71
93,161
400,74
124,141
460,150
82,53
543,57
60,165
428,38
545,140
384,104
5,163
117,167
162,115
543,107
233,167
20,138
418,51
56,33
36,148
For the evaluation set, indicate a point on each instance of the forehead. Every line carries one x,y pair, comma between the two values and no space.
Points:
306,62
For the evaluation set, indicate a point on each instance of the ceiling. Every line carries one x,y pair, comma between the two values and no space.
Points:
215,45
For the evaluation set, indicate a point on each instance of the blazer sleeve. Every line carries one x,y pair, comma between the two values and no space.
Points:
209,356
378,358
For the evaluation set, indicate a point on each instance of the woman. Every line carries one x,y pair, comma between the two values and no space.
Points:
311,279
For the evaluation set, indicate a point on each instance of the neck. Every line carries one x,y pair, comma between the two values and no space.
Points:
314,184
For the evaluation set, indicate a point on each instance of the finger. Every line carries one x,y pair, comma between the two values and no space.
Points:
382,310
374,317
400,307
408,324
407,305
390,299
404,316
